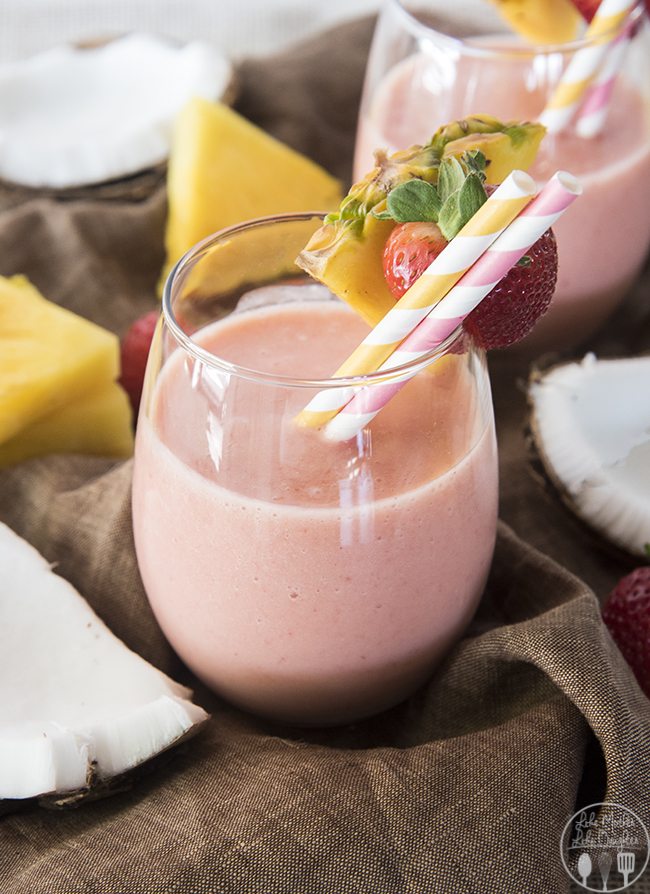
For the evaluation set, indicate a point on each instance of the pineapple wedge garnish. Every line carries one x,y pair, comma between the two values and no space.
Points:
541,21
346,252
224,170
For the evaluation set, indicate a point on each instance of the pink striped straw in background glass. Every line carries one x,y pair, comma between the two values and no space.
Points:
553,200
593,111
585,64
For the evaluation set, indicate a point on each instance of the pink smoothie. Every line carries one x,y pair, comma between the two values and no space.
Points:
603,238
304,580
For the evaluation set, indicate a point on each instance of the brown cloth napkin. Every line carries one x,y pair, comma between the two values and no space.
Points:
464,788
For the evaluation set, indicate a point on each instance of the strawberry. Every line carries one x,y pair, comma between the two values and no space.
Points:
429,216
587,8
134,352
509,312
409,250
627,615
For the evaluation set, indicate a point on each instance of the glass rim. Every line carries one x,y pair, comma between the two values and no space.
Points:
526,50
191,347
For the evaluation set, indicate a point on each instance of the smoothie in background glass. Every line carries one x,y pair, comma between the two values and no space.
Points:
304,580
419,78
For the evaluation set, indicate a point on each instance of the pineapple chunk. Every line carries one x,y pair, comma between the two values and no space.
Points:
541,21
96,423
257,256
49,356
224,170
357,275
514,147
346,252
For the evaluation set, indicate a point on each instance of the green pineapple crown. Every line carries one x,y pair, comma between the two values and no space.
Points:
456,179
456,197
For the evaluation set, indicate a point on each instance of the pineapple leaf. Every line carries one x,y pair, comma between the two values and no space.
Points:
475,162
461,205
451,177
413,200
457,197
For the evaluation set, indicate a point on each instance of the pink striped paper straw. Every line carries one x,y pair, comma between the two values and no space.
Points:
593,112
561,190
585,64
500,209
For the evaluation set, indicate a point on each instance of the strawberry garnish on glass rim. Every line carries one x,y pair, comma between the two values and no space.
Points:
587,8
429,216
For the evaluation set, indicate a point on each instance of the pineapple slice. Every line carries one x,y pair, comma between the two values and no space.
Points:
541,21
49,356
223,170
351,267
256,257
505,147
346,252
96,423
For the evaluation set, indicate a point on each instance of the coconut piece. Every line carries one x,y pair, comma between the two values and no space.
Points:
72,117
78,706
590,423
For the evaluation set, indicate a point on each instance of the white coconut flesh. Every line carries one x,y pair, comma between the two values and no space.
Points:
591,425
74,117
74,697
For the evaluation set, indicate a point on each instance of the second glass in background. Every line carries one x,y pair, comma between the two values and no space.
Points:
419,78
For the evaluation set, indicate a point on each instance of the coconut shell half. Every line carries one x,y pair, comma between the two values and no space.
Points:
80,711
589,427
95,120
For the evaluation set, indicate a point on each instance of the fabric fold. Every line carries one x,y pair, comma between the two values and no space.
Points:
465,787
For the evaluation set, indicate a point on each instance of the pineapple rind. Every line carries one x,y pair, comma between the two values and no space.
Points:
514,147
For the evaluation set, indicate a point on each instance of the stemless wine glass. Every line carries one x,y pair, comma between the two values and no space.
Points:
420,77
303,579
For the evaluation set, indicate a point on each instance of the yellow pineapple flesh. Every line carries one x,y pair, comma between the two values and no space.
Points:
49,356
513,148
541,21
350,267
224,170
346,252
256,256
96,423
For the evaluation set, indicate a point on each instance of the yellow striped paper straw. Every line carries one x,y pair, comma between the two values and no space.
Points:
593,111
460,301
585,64
443,273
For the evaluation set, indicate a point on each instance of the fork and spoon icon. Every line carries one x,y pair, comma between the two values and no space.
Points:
624,863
